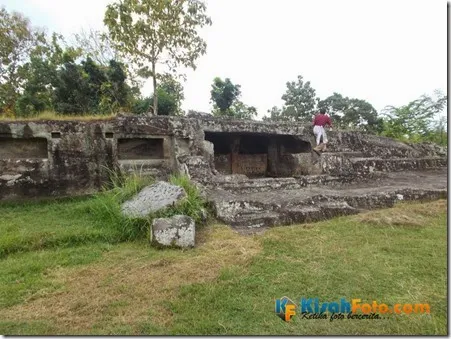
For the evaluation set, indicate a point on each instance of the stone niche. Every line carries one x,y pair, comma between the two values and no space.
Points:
29,148
257,155
147,155
140,148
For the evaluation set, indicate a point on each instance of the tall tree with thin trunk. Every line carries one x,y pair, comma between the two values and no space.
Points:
154,33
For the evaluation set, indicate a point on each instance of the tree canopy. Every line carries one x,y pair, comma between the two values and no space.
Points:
416,121
225,98
352,113
153,33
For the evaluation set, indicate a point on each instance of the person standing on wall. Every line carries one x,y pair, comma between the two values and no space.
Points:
319,122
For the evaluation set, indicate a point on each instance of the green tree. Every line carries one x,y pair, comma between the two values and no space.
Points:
336,106
173,88
166,104
170,96
349,113
153,32
275,114
72,89
438,133
93,77
302,97
223,94
40,74
241,111
225,98
97,46
414,121
17,40
89,87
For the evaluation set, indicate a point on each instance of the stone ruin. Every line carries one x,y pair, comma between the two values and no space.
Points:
255,174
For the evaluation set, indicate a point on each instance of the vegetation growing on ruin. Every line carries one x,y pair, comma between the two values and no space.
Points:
194,205
93,286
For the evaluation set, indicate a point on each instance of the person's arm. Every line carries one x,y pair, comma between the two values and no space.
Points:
314,120
329,122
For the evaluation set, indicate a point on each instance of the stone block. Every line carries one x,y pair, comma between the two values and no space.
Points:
177,231
153,198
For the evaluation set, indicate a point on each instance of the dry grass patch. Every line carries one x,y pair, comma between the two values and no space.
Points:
130,287
49,115
404,214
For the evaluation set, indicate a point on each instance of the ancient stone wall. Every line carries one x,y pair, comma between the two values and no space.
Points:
53,158
61,158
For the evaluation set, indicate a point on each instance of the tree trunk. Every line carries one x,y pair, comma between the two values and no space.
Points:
155,94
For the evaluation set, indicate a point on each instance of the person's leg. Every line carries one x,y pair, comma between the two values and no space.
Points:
324,139
317,133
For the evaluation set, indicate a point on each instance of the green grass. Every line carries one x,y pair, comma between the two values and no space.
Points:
63,223
38,225
227,284
334,259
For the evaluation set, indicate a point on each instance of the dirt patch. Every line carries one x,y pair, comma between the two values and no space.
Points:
131,288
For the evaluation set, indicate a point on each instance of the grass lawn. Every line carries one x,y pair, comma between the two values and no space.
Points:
64,271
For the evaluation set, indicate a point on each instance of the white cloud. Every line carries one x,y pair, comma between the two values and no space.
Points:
387,52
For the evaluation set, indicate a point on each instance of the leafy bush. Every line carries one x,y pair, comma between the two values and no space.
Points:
142,106
167,104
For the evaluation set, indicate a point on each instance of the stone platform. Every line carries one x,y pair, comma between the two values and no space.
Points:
250,205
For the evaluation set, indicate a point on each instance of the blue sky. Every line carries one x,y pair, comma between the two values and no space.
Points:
388,52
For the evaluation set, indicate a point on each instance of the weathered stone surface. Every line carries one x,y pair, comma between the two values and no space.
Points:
64,158
153,198
250,205
377,146
209,154
334,164
260,127
197,167
199,115
177,231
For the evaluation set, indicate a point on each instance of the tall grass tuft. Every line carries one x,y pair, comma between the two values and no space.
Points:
193,205
106,205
